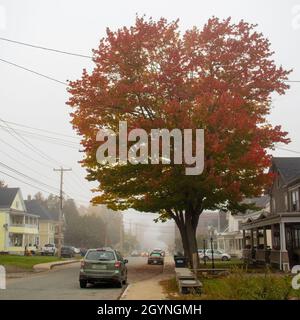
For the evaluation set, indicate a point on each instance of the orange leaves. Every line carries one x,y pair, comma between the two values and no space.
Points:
219,78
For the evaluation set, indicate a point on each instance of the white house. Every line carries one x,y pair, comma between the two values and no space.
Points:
231,240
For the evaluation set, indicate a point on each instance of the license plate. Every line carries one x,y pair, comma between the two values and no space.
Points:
155,261
99,266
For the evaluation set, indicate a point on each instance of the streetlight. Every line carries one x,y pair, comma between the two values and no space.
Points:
212,253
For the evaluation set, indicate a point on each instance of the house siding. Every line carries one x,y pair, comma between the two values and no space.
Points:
278,192
3,231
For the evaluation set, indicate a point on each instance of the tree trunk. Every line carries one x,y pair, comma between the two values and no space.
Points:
187,229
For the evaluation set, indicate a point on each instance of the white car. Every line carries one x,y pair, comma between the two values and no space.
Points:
218,255
76,250
48,250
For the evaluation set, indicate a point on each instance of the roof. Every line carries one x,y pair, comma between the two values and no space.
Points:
7,196
260,202
288,168
35,207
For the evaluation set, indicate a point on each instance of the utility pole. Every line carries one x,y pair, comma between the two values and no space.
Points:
60,218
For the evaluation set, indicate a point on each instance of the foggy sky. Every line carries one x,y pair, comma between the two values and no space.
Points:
77,26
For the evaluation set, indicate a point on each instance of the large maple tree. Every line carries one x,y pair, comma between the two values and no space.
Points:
219,78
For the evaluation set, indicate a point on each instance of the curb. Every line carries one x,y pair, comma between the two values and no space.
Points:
124,293
48,266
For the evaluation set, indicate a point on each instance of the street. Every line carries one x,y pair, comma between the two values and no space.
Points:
62,283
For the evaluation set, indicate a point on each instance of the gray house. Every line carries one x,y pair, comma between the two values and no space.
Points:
283,220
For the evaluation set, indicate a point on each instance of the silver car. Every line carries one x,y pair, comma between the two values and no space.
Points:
218,255
103,265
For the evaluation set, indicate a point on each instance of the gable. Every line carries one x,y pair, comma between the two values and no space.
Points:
18,202
7,197
287,167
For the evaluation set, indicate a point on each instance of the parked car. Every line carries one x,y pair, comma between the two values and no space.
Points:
67,251
218,255
48,250
144,254
135,253
200,253
83,251
155,257
76,250
103,265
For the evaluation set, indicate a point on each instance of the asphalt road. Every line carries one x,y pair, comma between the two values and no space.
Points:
62,283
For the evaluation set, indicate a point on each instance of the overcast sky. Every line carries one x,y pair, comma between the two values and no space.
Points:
77,26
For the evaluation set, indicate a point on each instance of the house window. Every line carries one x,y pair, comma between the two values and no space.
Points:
273,205
16,239
297,239
278,182
295,200
16,220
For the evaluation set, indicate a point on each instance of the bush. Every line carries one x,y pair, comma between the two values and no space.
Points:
239,285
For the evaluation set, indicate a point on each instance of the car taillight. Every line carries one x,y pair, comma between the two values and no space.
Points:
117,264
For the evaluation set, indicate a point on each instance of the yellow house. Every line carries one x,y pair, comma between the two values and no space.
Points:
18,228
47,222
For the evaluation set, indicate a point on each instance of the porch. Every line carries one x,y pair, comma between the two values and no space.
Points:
273,239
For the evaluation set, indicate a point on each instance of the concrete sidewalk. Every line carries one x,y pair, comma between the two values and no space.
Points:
42,267
49,265
150,289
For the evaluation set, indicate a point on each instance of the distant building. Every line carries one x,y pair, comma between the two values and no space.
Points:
19,229
231,239
211,220
48,222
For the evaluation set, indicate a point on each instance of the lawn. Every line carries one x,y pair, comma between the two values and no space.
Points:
222,264
24,262
239,285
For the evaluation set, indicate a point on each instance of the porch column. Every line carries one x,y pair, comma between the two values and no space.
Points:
282,237
272,235
252,239
244,239
265,238
257,238
282,243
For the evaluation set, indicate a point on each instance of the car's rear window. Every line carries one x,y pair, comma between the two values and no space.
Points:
155,254
100,255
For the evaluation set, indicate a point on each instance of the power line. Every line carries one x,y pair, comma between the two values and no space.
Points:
27,177
38,129
34,72
29,184
285,149
25,155
54,140
39,152
46,48
28,144
25,166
